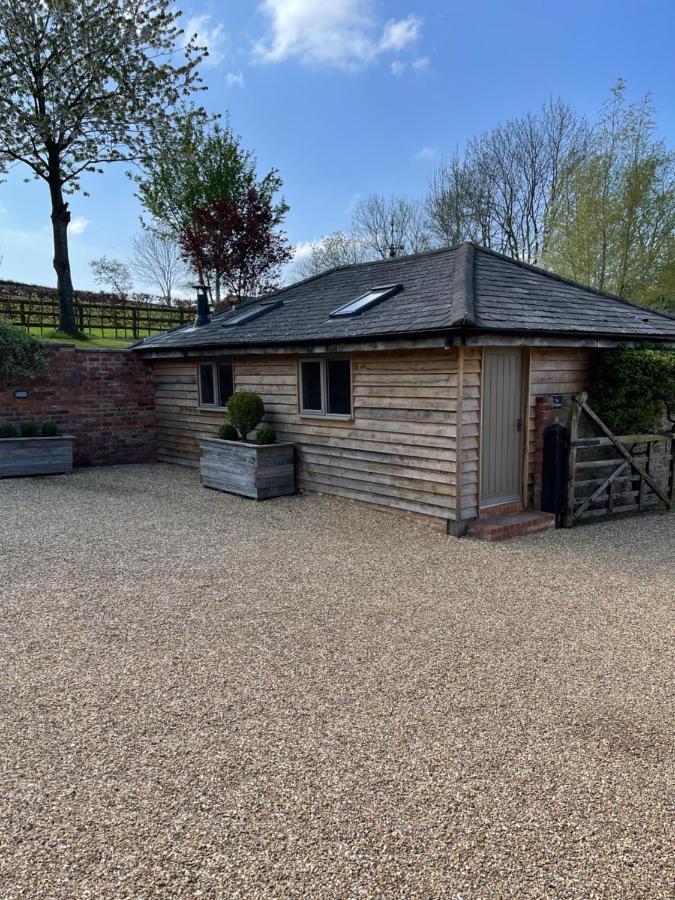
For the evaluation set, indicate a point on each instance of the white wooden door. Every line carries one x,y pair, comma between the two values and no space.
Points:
501,467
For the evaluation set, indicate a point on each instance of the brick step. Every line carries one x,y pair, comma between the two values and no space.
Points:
501,528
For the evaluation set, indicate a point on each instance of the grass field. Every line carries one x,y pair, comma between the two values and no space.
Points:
83,341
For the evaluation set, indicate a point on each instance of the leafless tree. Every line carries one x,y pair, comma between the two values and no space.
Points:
156,259
337,249
114,274
501,190
389,227
458,206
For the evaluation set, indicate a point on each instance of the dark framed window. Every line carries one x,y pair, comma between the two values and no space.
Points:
339,387
216,384
312,392
326,387
225,382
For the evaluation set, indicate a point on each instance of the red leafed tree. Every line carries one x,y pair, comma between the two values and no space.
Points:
240,238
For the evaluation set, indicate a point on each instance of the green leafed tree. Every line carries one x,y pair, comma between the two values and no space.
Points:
613,223
195,167
84,83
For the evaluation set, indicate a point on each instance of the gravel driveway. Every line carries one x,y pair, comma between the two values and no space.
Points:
201,696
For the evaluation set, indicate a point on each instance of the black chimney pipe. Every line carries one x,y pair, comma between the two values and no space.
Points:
203,317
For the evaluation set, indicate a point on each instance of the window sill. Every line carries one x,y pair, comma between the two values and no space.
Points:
321,417
220,409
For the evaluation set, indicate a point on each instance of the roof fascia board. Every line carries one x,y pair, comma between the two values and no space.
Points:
439,341
504,339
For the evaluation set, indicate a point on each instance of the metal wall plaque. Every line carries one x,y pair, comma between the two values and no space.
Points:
557,401
20,395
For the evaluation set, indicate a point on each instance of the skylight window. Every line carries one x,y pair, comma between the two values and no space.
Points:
365,301
247,315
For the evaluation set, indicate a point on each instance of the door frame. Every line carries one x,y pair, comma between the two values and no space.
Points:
525,418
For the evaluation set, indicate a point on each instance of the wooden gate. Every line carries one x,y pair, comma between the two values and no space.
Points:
616,473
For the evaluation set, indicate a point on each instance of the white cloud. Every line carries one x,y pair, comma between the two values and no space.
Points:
213,37
234,79
78,225
427,153
421,64
19,234
398,35
338,34
304,249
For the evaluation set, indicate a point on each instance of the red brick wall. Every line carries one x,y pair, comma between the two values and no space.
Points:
553,372
103,397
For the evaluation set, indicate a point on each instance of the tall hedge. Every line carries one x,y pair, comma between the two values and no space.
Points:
632,389
21,355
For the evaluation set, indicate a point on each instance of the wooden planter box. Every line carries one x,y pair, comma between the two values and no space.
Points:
36,455
260,471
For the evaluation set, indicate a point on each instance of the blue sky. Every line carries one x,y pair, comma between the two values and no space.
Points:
350,97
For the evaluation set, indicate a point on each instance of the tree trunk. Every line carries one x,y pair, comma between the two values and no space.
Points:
64,283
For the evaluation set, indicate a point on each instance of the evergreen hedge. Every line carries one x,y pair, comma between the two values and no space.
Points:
21,355
632,389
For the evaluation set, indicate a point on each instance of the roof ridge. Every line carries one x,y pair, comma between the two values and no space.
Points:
368,262
577,284
463,307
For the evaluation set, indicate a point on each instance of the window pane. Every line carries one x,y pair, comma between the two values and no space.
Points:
366,300
206,387
311,385
339,387
225,383
248,315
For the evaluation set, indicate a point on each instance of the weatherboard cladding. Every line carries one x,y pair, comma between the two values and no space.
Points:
463,288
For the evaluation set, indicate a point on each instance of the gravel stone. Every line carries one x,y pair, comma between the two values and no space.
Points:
201,696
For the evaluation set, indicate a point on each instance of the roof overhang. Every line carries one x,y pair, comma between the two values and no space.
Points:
437,340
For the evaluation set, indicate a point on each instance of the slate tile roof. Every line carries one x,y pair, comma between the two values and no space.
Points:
461,289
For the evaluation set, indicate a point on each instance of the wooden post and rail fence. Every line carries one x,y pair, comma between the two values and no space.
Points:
104,316
613,474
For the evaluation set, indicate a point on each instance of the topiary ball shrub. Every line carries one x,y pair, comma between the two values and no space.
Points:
265,435
50,429
28,429
8,431
228,432
245,411
631,389
21,355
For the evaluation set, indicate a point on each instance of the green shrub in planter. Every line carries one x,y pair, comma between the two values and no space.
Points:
50,429
8,431
28,429
245,411
21,355
228,432
631,389
265,435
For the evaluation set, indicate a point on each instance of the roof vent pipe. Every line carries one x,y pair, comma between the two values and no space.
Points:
203,317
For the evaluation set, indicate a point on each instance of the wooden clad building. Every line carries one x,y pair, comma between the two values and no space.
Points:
410,383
